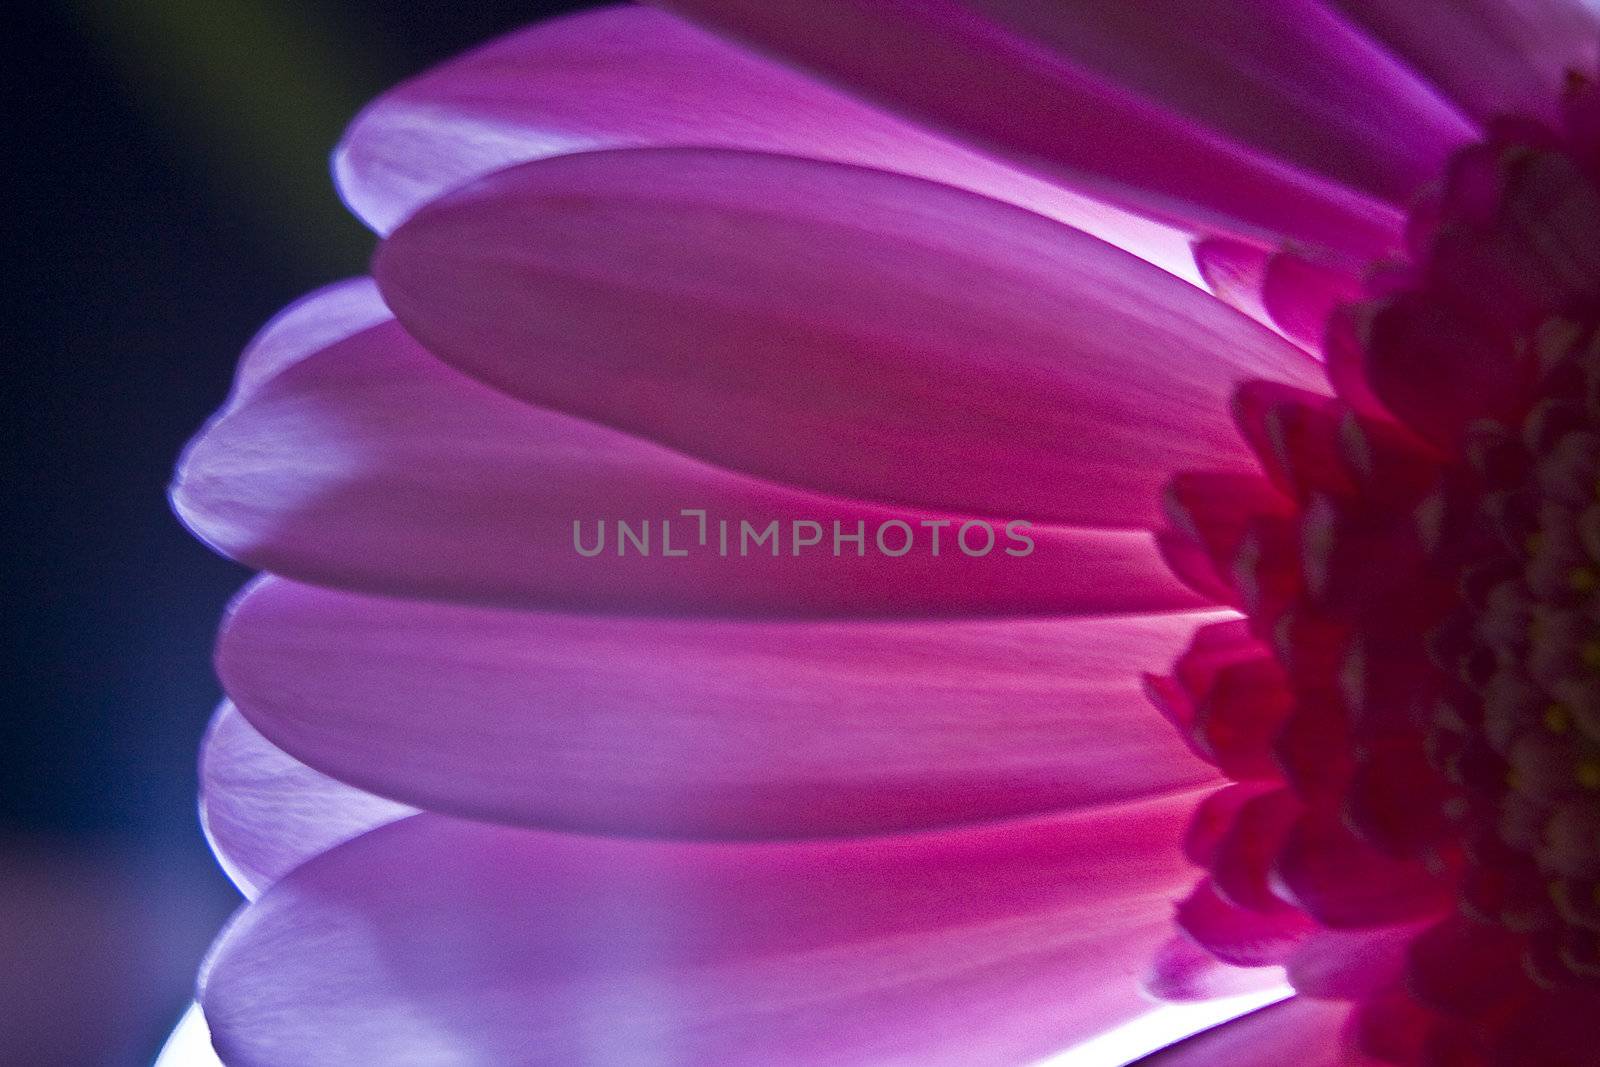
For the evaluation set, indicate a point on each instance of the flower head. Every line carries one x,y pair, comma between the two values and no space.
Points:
1408,707
505,795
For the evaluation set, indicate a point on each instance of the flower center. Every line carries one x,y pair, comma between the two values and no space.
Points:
1517,727
1409,708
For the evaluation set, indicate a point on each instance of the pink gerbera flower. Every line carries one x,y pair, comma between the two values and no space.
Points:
504,797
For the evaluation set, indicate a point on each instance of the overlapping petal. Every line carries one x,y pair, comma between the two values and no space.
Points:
706,727
845,330
1493,58
372,465
264,812
313,322
1301,1032
1279,288
629,77
1276,119
867,808
451,943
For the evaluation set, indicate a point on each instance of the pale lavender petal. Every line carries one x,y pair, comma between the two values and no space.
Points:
845,330
1274,120
265,812
448,943
629,77
373,466
189,1044
312,323
704,727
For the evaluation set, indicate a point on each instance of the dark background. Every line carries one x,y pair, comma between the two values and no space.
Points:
166,192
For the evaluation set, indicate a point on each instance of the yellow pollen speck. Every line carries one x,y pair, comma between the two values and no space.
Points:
1532,543
1591,653
1556,719
1513,780
1589,774
1582,579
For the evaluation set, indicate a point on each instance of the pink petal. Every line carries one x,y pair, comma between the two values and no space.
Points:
1301,296
371,465
439,941
706,727
1237,936
629,77
1351,964
1344,883
1492,57
846,330
1183,971
1278,288
1392,1029
310,324
265,813
1274,120
1243,860
1234,270
1430,363
1214,819
1297,1033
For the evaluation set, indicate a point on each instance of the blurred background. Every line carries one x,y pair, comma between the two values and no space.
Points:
167,191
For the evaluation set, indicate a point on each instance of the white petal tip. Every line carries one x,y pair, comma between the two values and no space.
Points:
190,1043
1166,1025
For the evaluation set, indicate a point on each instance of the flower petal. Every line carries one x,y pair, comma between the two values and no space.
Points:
628,77
1300,1031
1344,883
189,1044
1278,288
265,812
1234,270
453,943
1351,964
1277,119
371,465
1183,971
706,727
313,322
1492,57
846,330
1234,935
